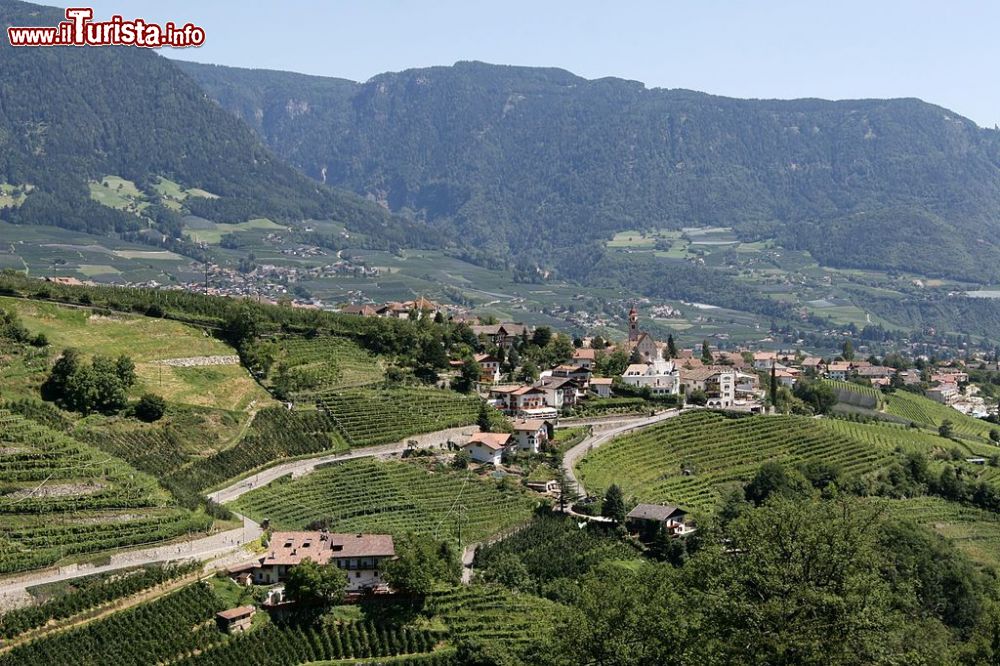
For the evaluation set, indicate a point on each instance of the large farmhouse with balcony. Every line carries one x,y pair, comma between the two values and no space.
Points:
359,554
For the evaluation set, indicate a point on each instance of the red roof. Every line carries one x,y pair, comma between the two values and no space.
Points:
290,548
494,441
238,612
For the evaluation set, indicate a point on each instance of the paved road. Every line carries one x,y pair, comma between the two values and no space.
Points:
228,545
299,468
13,591
597,439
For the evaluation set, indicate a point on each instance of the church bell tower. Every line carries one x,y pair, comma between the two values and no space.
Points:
633,324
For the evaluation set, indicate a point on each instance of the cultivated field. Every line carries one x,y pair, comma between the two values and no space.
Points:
395,497
61,498
689,459
146,340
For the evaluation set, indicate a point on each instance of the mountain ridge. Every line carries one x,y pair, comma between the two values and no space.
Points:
493,152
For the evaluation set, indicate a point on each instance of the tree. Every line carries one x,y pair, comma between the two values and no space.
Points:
421,563
671,347
508,570
706,353
819,395
542,336
461,460
847,351
994,435
468,376
614,504
697,397
312,583
773,392
484,421
773,479
529,372
150,407
946,429
125,369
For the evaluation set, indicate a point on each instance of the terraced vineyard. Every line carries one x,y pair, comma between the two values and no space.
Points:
394,497
927,412
275,433
314,366
857,395
381,416
688,459
974,531
495,614
59,497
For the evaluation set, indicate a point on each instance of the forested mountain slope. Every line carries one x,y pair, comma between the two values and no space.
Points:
531,162
70,116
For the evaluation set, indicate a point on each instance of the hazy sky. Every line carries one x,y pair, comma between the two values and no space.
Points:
942,52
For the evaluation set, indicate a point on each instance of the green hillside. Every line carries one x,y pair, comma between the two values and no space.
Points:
482,148
689,460
119,140
926,412
393,497
61,499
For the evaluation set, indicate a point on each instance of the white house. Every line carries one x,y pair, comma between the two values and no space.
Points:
719,384
584,357
531,435
601,386
661,377
489,447
489,368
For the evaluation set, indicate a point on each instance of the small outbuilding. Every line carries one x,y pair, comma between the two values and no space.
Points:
235,619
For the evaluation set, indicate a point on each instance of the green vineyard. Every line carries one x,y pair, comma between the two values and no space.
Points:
59,497
380,416
976,532
856,395
275,433
687,460
925,411
180,628
305,367
393,497
495,614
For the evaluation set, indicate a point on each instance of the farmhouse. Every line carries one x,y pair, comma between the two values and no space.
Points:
489,447
646,519
359,554
718,385
489,367
584,358
559,391
580,375
501,335
839,371
235,619
601,386
945,393
531,434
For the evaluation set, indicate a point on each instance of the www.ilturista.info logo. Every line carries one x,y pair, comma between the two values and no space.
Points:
79,30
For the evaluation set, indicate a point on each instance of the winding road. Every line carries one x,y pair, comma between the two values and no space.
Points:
226,547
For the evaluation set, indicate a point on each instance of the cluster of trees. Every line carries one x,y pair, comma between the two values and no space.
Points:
100,386
13,330
809,581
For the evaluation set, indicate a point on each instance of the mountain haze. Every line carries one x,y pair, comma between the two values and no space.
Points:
532,162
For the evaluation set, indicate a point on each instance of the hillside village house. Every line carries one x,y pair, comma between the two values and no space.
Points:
501,335
559,391
489,367
718,385
659,376
531,434
489,447
601,386
838,371
359,554
944,393
584,358
579,375
646,519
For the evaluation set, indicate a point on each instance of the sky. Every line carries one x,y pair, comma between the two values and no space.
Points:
946,53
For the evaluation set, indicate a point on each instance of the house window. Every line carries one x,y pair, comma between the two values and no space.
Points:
357,574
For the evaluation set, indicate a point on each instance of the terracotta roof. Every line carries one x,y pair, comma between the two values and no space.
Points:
491,440
570,369
601,381
585,354
839,367
521,390
291,548
812,360
528,425
233,613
